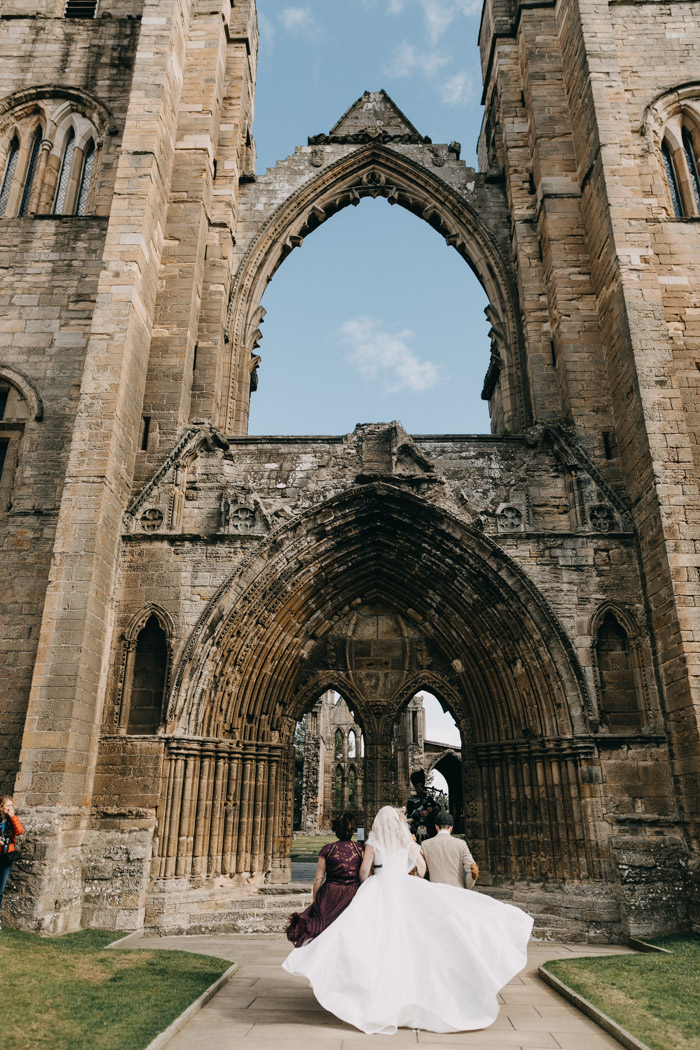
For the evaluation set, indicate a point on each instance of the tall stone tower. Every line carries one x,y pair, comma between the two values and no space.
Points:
176,595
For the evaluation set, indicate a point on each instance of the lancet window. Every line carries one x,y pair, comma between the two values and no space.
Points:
615,659
338,794
60,201
86,178
9,174
30,173
338,743
352,786
13,415
680,152
48,157
148,677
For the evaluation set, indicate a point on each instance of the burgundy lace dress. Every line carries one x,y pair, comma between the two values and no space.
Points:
343,861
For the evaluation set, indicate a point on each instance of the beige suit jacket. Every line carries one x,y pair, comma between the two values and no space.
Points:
448,860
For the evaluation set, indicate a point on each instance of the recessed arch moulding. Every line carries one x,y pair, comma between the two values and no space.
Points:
477,568
326,603
374,151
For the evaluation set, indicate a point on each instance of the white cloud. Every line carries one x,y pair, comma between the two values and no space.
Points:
407,60
386,357
457,90
299,20
437,14
267,31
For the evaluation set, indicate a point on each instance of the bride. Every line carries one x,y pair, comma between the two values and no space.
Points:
412,954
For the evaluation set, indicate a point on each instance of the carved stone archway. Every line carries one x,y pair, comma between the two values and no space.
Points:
374,151
373,592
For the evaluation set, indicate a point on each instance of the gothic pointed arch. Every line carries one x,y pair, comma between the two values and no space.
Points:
144,670
622,694
497,641
27,388
410,180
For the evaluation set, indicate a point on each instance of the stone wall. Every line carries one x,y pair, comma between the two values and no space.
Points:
375,563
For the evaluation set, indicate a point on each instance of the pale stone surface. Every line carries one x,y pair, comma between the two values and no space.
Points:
263,1006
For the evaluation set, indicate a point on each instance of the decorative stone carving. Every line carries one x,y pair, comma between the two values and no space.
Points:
510,518
152,519
241,514
317,157
601,518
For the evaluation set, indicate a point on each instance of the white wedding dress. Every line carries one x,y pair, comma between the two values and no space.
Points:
413,954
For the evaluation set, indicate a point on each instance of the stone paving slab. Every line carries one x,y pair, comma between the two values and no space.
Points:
264,1008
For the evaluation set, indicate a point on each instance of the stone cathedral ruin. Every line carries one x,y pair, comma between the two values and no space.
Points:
177,594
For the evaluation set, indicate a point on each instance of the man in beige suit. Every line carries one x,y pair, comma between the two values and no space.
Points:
448,859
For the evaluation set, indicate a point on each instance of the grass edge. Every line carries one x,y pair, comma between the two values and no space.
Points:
605,1022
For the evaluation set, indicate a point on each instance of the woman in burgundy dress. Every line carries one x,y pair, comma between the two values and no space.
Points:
340,863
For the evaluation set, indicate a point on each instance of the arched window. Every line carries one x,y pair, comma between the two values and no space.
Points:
691,159
86,178
362,745
619,701
31,172
338,788
672,179
352,786
66,164
148,684
338,744
13,415
352,744
9,175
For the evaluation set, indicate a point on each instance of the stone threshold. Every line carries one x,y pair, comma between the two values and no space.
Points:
623,1037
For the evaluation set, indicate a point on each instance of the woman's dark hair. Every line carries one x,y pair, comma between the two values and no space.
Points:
344,826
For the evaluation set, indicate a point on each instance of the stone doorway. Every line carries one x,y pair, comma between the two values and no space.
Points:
377,594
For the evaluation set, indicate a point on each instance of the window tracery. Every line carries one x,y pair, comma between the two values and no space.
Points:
86,179
30,173
672,180
672,124
9,174
60,201
691,159
49,149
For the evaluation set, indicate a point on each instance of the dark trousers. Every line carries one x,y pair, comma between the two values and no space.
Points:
5,871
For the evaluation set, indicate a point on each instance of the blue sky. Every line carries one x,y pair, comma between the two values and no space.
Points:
374,318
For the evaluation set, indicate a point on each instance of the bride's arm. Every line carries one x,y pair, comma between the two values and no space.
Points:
416,855
367,862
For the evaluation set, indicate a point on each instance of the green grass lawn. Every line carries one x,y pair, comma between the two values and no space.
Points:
308,847
655,997
67,993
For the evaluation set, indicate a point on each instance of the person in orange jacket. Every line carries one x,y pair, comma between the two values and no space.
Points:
10,828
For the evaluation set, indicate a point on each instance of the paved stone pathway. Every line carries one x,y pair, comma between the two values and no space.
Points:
263,1008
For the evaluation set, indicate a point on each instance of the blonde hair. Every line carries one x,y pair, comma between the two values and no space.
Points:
4,799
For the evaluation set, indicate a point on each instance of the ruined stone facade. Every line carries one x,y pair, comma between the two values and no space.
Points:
176,595
333,761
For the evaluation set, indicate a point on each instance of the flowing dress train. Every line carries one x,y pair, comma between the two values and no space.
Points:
413,954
